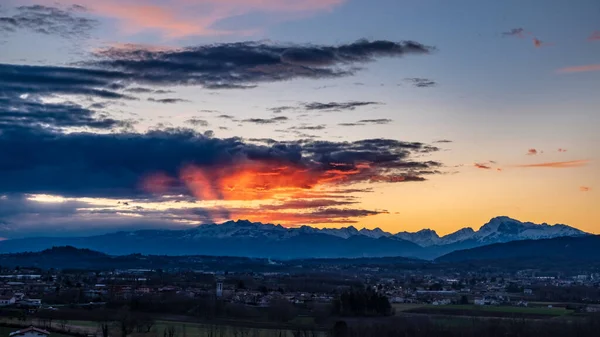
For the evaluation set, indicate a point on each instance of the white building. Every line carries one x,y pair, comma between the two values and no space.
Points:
30,332
7,300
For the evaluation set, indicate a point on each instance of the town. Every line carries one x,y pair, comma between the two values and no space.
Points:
283,296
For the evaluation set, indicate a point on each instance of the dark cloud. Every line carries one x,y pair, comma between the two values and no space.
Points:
273,120
244,64
308,127
167,100
226,116
263,140
421,82
140,90
376,121
443,141
197,122
280,109
49,21
517,32
34,160
337,106
17,80
16,112
379,121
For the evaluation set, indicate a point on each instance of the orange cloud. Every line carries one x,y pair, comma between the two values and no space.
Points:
595,36
180,18
559,164
580,69
585,188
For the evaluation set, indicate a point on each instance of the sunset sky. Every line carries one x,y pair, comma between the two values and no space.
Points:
397,114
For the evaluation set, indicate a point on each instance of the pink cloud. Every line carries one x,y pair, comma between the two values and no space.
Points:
595,36
539,43
181,18
580,69
562,150
532,152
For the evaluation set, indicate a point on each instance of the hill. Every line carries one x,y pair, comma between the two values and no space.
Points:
585,248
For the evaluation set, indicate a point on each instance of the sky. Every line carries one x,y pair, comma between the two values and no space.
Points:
397,114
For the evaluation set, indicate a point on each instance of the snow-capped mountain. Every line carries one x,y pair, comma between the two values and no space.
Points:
498,229
504,229
458,236
255,239
374,233
424,237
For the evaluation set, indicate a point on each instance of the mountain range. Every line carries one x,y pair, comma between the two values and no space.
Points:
254,239
581,248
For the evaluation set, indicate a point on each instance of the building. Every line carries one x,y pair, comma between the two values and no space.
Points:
7,300
219,289
30,332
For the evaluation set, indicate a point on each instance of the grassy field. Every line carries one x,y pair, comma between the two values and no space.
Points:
491,311
186,329
402,307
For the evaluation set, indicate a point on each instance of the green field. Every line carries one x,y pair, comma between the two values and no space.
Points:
401,307
491,311
186,329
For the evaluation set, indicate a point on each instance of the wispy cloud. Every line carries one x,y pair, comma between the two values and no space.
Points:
421,82
562,150
532,152
273,120
379,121
167,100
484,166
171,19
67,23
585,188
516,32
197,122
580,69
558,164
539,43
595,36
337,106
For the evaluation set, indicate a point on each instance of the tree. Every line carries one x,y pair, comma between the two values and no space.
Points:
126,324
104,328
340,329
170,331
464,299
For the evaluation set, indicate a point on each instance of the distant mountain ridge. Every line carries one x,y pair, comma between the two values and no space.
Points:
580,248
498,229
254,239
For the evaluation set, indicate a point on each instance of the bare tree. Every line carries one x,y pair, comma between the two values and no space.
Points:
104,328
170,331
